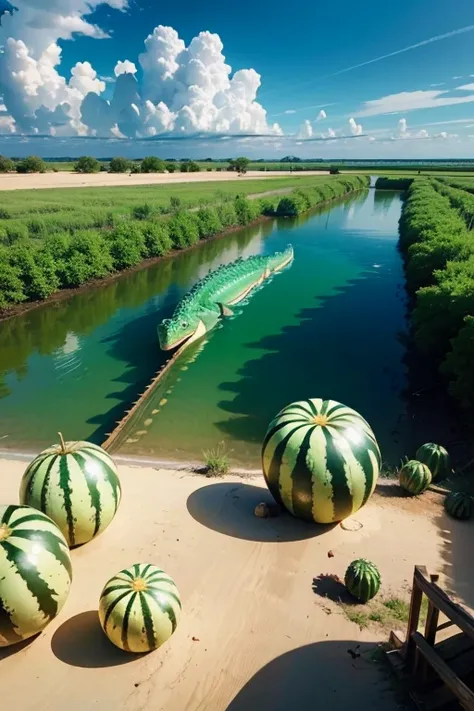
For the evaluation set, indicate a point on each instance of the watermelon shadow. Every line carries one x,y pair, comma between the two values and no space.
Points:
228,508
15,648
331,587
80,642
336,675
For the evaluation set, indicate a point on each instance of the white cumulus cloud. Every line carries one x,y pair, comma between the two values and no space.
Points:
185,90
306,130
125,67
322,115
356,128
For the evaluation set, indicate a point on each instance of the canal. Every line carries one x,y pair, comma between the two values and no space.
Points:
331,326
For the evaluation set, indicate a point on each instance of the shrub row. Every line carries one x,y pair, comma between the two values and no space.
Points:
302,200
385,183
439,255
459,199
33,269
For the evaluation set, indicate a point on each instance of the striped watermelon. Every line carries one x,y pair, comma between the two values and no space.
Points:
35,573
459,505
436,459
415,477
139,608
76,484
320,460
362,579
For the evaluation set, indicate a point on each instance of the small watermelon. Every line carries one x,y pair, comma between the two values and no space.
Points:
362,579
35,573
320,460
459,505
77,485
436,459
139,608
415,477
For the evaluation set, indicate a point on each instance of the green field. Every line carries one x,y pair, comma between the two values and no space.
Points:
89,205
53,239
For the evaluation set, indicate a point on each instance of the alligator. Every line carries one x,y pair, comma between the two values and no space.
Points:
212,297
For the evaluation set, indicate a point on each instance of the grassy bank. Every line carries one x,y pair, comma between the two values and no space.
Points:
54,249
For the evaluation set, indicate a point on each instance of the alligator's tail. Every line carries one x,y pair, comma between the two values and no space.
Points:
279,260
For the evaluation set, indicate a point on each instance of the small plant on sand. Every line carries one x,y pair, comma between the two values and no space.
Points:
217,460
387,612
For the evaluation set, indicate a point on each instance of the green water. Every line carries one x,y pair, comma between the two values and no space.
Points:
328,326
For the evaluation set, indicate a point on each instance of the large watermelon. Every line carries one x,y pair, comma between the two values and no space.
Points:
35,572
139,608
436,459
320,460
76,484
415,477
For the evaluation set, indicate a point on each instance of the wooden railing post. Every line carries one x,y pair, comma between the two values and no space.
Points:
414,618
431,628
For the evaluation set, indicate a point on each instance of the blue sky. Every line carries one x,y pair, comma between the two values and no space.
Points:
416,103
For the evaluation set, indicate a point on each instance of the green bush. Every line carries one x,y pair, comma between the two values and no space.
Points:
4,214
11,285
243,209
87,164
152,164
87,258
157,239
394,183
291,205
142,212
227,214
183,230
6,165
267,207
120,165
127,246
208,222
36,269
193,167
175,203
171,167
32,164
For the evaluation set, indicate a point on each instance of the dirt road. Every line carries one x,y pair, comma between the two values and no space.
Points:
37,181
253,634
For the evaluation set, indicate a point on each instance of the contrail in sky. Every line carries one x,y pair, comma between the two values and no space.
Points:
438,38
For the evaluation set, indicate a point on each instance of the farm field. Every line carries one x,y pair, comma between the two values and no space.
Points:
37,181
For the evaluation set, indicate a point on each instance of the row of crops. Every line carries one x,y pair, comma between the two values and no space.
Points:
35,265
438,246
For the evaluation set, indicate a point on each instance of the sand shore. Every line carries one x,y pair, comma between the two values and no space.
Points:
37,181
253,634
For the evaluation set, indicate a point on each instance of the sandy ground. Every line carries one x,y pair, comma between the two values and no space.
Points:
18,181
253,634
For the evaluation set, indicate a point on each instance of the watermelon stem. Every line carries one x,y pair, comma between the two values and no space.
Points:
63,444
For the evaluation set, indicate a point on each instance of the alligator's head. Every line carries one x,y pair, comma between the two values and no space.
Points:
173,332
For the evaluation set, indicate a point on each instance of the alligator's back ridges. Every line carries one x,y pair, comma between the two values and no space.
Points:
223,273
